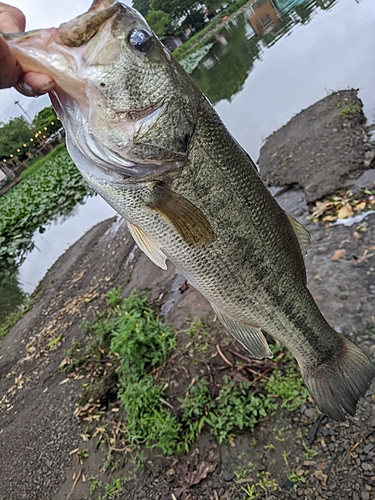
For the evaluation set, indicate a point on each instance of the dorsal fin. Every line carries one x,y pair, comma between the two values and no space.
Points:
303,236
249,336
147,245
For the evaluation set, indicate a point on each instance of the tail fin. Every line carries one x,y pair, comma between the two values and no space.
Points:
339,384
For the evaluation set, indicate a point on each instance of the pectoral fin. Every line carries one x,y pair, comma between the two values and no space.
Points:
185,217
147,245
249,336
303,236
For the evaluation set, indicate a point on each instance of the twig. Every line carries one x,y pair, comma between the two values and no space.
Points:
166,403
222,356
75,482
210,374
357,444
262,375
241,356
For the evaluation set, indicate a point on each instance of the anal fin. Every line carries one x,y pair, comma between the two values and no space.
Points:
147,245
250,337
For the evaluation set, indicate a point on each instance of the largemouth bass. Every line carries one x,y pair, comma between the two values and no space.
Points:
148,141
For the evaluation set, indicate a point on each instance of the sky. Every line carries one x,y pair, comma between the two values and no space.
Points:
39,14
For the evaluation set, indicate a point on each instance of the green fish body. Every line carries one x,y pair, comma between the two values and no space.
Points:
148,141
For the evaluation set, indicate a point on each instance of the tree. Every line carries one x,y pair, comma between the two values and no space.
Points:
13,135
181,11
142,6
159,21
46,119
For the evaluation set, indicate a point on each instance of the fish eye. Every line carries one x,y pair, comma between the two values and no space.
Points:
140,40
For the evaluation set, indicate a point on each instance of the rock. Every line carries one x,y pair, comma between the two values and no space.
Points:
290,155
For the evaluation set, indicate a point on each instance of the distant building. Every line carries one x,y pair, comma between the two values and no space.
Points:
263,16
172,42
285,5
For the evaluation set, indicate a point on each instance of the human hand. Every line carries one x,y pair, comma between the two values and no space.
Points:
13,20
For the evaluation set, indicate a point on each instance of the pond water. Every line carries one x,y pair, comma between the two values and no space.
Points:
259,70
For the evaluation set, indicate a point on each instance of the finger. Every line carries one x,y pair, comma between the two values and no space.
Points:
12,19
34,84
10,69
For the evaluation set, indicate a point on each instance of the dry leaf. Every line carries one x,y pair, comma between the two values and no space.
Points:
330,218
345,211
338,254
360,206
193,472
356,236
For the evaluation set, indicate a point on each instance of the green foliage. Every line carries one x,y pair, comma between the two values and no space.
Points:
159,21
138,337
13,318
237,406
349,111
142,6
53,187
129,334
39,162
46,121
289,388
13,135
17,132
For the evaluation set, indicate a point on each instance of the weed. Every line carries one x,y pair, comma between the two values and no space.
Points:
289,388
309,453
270,447
349,110
198,333
13,318
295,479
251,491
81,454
126,344
95,484
236,406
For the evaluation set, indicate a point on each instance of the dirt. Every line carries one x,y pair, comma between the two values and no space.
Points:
39,427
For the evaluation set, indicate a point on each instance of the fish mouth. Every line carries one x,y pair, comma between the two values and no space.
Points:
57,51
80,30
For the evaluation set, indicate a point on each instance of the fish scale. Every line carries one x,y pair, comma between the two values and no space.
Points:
148,141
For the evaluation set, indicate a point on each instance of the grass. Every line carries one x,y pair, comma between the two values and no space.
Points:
128,345
349,110
15,316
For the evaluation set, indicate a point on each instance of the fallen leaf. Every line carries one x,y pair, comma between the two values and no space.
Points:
330,218
360,206
338,254
356,236
64,381
345,211
193,472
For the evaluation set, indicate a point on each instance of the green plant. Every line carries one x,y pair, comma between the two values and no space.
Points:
349,110
95,484
236,406
288,387
14,317
295,479
53,187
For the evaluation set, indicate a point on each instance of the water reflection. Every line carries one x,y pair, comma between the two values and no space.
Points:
241,42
